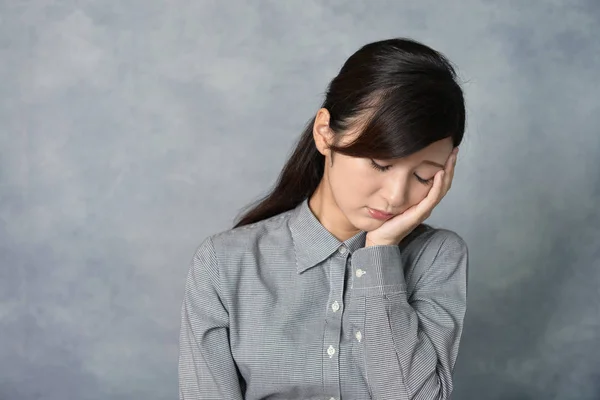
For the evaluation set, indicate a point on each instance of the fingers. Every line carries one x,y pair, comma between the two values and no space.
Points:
442,182
434,196
449,168
439,188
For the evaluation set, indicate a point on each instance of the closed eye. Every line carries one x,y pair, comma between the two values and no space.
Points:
424,181
383,168
379,167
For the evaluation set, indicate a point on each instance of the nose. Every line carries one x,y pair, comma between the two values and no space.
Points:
396,193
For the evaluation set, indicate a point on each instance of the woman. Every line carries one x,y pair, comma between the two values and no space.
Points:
332,287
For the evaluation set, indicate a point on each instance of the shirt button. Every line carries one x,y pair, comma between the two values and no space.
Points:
342,250
335,306
358,336
332,398
360,272
330,351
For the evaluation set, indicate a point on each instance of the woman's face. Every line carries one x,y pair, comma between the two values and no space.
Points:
391,186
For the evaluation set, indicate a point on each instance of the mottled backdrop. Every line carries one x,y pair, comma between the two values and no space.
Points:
131,130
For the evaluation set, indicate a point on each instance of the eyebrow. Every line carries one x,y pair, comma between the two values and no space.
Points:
433,163
422,162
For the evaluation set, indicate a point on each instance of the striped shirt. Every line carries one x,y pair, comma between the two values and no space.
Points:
282,309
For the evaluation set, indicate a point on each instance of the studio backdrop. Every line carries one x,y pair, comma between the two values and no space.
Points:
132,130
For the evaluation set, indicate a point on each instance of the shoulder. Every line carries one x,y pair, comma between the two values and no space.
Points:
436,258
430,242
236,241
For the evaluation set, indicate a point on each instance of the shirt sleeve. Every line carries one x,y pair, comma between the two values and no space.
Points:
206,366
411,342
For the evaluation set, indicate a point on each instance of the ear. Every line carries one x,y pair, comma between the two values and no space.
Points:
322,133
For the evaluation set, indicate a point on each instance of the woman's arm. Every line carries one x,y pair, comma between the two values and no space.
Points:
411,344
206,366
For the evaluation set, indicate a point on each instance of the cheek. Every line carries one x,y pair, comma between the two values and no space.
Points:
417,193
351,182
352,188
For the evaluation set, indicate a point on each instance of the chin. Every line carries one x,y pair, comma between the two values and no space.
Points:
366,224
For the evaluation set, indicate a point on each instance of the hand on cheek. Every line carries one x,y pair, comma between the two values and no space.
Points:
397,228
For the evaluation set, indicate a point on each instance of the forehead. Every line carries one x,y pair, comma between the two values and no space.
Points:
436,151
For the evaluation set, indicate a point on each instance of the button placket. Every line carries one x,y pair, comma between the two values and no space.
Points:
335,306
331,351
331,337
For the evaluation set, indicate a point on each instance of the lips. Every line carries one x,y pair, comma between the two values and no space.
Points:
380,215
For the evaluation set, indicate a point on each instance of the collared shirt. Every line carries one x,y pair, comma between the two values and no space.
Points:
282,309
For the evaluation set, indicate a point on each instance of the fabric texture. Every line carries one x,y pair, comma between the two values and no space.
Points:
281,309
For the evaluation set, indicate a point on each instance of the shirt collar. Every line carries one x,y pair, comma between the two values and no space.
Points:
313,243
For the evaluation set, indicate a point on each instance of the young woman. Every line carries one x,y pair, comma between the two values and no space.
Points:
332,287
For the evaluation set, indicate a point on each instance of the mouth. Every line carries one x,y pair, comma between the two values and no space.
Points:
380,215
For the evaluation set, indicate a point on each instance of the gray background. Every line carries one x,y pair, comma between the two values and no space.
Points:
131,130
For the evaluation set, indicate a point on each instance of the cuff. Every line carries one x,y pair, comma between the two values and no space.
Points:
378,270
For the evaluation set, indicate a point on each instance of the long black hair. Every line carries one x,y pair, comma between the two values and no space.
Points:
405,96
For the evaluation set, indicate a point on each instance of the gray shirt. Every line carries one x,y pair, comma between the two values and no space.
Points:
281,309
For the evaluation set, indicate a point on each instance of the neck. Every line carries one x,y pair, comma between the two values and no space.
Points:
324,207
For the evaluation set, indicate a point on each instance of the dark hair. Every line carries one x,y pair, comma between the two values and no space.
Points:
402,94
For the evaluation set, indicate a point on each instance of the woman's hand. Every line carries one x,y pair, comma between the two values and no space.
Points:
394,230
